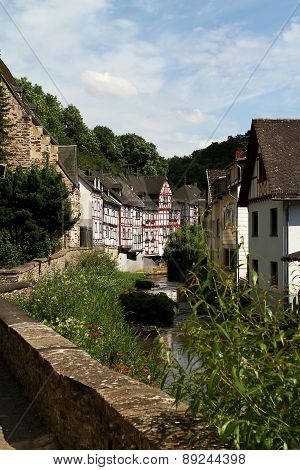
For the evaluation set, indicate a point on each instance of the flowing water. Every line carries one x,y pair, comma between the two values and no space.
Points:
169,335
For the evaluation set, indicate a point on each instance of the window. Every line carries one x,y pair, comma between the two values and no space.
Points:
228,179
165,199
137,215
262,175
274,273
273,222
255,224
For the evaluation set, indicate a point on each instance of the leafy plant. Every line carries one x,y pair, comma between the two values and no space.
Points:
81,303
244,369
149,309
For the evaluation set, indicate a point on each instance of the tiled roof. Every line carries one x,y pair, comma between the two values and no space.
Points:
292,257
278,141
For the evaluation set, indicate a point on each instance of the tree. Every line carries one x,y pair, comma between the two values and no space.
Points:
191,169
110,145
4,124
34,210
141,155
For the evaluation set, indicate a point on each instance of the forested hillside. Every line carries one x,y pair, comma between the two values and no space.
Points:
100,148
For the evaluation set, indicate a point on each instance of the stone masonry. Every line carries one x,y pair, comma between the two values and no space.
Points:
31,144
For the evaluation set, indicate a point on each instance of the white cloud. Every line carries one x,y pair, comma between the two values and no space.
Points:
101,84
193,117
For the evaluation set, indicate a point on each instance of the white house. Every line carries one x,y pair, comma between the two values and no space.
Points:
271,191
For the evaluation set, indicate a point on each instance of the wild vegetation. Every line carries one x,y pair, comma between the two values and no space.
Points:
244,362
186,249
82,304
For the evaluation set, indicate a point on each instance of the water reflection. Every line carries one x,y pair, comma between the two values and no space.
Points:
171,336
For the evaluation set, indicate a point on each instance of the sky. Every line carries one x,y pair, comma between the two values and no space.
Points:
165,69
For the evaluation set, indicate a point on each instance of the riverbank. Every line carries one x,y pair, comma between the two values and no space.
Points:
81,303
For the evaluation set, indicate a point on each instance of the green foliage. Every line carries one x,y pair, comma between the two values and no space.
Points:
149,309
98,149
144,284
10,254
34,210
110,144
244,373
142,156
4,124
192,168
81,303
186,249
49,110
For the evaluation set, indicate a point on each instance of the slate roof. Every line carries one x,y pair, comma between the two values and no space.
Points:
148,187
120,189
188,193
89,180
67,159
278,141
212,176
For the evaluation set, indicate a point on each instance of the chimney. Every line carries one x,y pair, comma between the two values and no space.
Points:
239,153
196,184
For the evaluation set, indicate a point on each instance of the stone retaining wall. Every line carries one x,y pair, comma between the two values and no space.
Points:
86,405
30,272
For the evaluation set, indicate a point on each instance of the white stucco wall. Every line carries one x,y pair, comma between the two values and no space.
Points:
243,241
266,248
85,205
294,246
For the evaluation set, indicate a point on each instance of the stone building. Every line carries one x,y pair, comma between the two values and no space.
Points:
30,144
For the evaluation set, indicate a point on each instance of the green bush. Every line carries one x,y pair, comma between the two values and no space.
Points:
144,284
10,254
149,309
81,303
244,370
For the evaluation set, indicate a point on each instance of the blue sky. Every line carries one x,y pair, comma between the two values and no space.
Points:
167,70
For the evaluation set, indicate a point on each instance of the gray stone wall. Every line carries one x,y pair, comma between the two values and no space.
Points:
84,404
30,272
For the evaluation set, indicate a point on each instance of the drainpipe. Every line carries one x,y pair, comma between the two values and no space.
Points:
286,246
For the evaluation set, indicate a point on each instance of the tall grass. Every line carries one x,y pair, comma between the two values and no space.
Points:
81,303
244,375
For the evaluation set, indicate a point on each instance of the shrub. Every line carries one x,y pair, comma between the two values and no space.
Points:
10,254
81,303
149,309
144,284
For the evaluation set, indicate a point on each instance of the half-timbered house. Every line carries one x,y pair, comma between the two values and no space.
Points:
191,202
